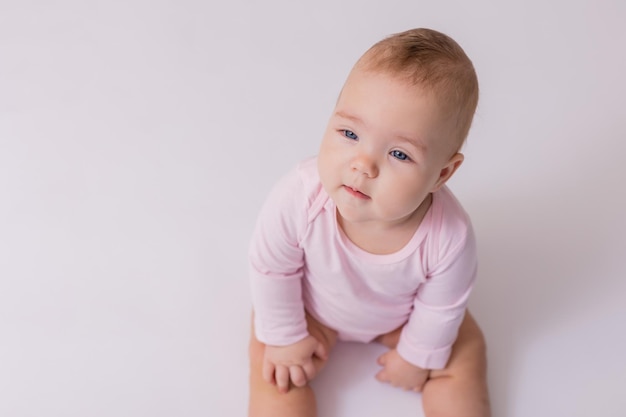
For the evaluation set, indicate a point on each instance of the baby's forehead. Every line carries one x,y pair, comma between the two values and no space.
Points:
439,107
390,95
360,78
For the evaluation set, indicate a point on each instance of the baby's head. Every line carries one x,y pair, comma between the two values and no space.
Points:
434,63
399,122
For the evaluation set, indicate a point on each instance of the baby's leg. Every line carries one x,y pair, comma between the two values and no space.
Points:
459,390
265,400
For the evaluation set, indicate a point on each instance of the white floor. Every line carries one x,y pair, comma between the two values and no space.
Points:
138,139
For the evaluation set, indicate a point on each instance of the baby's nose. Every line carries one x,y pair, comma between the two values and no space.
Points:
365,164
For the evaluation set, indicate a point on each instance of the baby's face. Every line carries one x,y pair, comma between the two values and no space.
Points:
386,147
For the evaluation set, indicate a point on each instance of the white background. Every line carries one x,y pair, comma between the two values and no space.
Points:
138,139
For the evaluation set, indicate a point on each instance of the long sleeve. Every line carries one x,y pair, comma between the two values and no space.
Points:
440,303
276,264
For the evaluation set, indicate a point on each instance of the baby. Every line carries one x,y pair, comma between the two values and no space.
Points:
366,243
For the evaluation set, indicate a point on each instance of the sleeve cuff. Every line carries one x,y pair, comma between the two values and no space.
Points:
425,359
280,336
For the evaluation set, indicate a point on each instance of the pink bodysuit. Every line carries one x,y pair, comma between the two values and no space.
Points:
300,259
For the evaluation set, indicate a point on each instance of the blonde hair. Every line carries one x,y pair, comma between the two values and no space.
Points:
435,62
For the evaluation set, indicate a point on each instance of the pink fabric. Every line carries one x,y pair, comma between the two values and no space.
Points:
300,259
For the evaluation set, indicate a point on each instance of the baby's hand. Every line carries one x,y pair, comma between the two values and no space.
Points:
293,362
401,373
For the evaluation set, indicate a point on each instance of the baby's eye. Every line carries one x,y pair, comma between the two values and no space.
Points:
349,134
400,155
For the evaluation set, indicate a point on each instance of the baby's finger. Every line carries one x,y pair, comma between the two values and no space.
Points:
282,378
382,359
382,376
268,372
297,376
309,370
320,352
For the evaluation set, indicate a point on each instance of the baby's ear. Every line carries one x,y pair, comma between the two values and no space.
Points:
448,169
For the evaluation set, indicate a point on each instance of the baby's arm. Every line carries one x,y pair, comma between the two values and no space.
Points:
276,272
292,362
425,341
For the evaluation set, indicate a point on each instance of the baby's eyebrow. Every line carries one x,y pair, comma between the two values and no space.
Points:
413,141
345,115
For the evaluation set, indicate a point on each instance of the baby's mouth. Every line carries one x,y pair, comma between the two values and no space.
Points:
356,193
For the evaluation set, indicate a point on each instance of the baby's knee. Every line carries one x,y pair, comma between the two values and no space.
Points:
476,343
256,352
469,354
